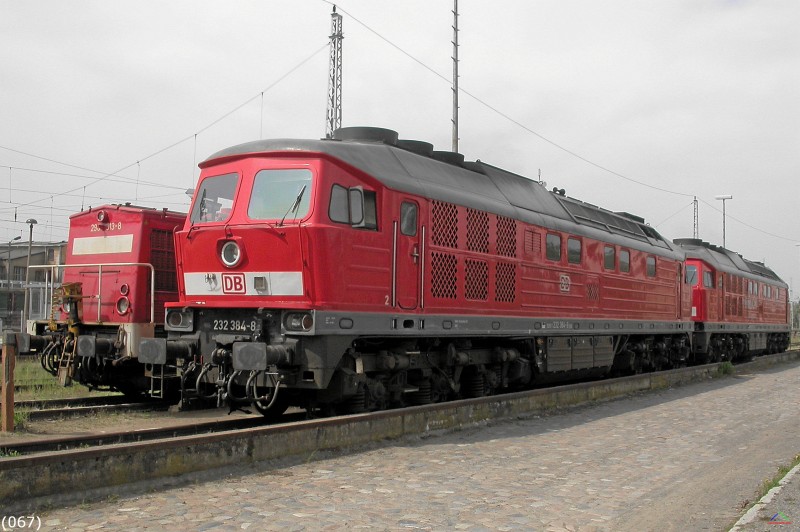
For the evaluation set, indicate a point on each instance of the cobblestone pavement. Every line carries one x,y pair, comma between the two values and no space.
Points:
691,458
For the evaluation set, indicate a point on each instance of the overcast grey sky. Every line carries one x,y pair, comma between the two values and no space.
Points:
695,97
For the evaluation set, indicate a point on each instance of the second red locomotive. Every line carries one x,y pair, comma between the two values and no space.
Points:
119,272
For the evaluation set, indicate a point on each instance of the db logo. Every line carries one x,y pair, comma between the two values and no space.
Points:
563,285
233,283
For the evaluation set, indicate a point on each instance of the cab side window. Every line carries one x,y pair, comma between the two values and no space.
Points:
691,275
354,206
408,218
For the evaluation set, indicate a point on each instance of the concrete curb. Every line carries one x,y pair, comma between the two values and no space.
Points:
752,513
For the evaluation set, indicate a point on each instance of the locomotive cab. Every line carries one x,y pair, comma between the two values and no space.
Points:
278,225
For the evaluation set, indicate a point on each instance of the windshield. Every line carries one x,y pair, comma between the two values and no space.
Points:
214,200
276,192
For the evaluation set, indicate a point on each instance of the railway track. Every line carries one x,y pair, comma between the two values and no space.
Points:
40,404
64,408
75,411
139,435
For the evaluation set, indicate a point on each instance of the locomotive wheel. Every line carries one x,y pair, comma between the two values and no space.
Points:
277,409
423,395
356,403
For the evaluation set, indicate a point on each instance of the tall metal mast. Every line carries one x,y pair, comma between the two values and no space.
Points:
334,113
455,76
696,221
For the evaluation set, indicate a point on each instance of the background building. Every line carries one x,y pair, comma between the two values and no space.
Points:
14,260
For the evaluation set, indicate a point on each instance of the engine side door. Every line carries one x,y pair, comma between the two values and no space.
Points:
407,255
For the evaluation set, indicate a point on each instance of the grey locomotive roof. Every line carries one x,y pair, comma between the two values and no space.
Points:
726,260
472,184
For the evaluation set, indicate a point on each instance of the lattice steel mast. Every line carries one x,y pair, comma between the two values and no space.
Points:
334,114
455,76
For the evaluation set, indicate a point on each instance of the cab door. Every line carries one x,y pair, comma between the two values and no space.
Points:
407,258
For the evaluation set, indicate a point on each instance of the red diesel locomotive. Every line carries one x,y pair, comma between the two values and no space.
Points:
119,272
363,271
739,307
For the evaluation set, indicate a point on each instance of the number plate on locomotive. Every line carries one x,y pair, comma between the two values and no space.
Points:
236,326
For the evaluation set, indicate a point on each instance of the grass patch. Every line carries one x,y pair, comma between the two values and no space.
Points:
37,384
20,419
726,368
770,483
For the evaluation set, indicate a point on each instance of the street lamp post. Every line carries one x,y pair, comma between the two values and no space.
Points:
8,276
794,326
31,222
723,198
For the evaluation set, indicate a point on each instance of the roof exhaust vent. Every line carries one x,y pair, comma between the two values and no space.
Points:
449,157
687,241
366,134
416,146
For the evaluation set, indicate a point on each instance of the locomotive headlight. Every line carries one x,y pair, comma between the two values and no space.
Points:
124,289
231,254
179,320
123,305
299,321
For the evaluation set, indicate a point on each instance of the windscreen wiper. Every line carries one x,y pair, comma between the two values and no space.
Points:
295,205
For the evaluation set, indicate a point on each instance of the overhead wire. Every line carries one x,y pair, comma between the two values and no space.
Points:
260,94
535,133
174,144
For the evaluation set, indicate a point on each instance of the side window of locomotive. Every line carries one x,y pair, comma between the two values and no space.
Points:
691,275
363,208
354,206
339,209
708,279
214,200
408,218
553,244
573,251
651,266
625,261
609,258
279,193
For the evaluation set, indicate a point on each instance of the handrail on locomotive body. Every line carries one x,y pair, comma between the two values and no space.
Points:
98,296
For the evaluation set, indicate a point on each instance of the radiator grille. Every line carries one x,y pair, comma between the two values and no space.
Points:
443,279
505,282
476,280
506,237
477,231
445,225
